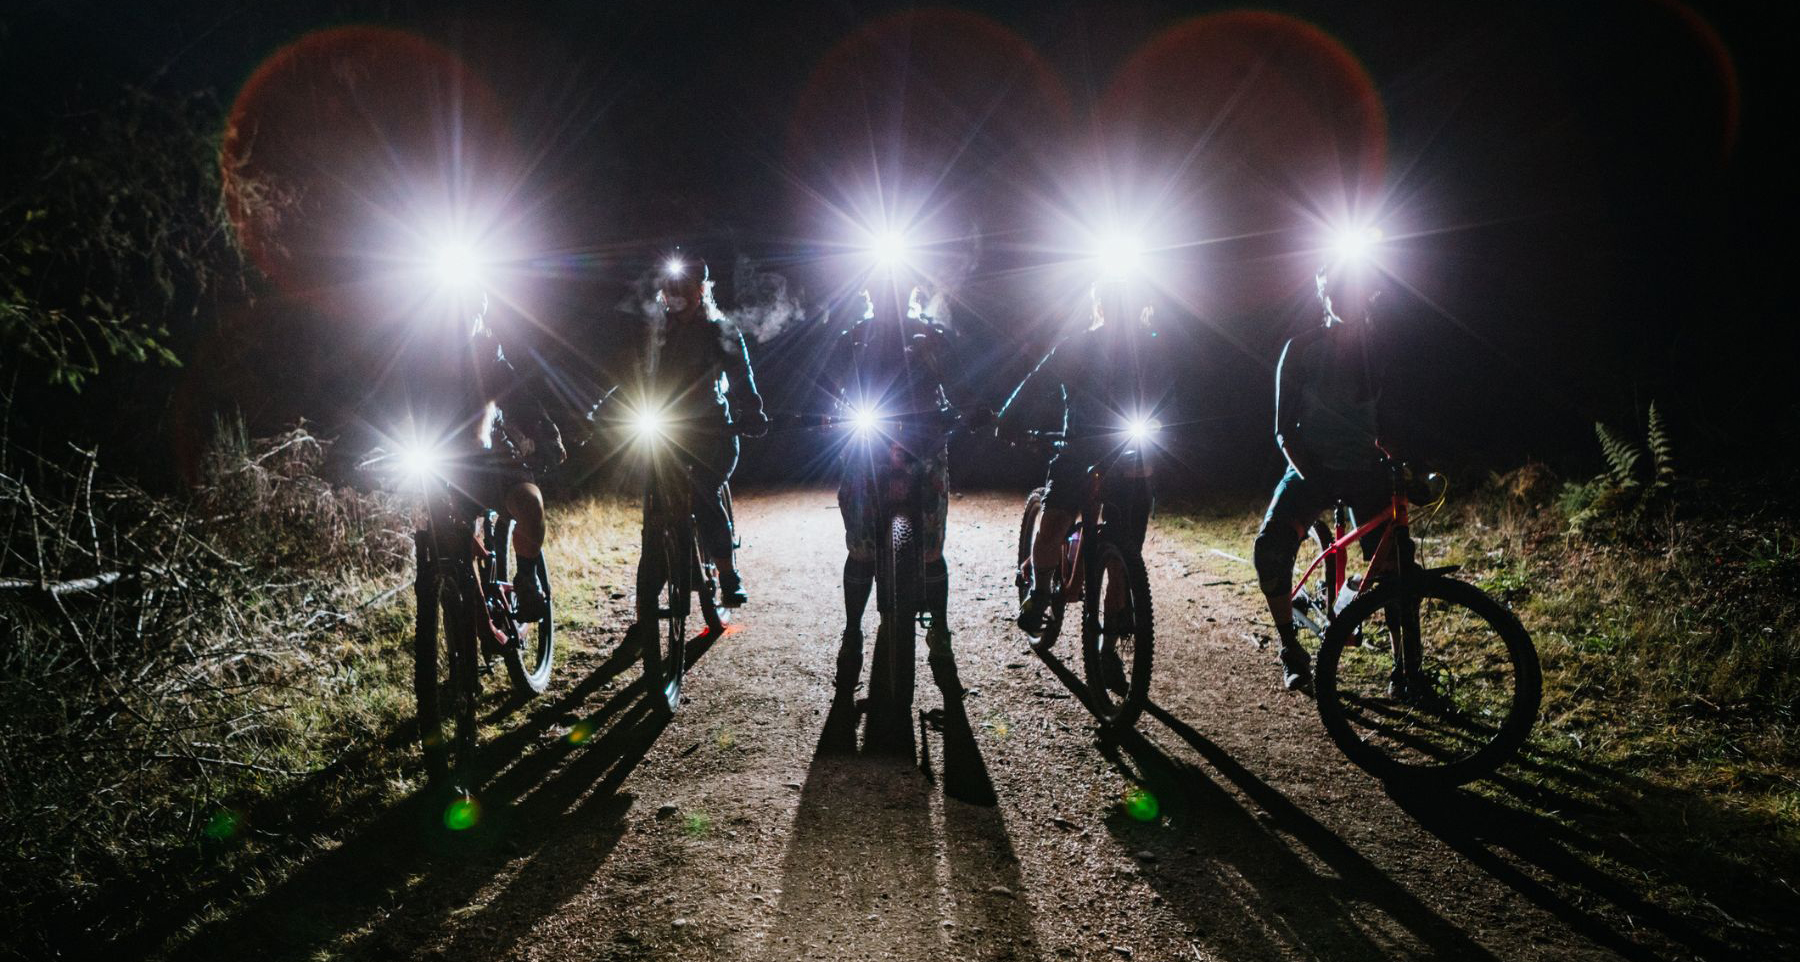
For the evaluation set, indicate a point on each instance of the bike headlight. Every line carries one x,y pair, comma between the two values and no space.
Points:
865,419
1141,429
648,424
421,462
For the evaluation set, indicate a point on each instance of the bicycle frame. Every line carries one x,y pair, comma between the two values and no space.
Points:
1072,570
458,547
1381,562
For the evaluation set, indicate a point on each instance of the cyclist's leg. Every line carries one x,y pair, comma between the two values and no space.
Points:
856,504
525,504
1368,495
1296,502
1129,500
709,472
937,518
1065,490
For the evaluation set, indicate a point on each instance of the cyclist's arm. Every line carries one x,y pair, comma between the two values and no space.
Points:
947,368
839,375
1045,372
1287,405
525,401
746,401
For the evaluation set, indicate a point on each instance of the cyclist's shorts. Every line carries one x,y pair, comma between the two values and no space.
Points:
1066,479
484,482
857,502
1298,501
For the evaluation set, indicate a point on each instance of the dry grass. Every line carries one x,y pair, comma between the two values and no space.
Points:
1670,642
204,692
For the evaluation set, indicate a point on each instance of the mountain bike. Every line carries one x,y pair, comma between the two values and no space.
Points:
674,575
900,482
1420,677
1102,570
467,610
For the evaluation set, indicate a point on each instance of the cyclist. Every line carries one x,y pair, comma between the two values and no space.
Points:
700,365
905,369
501,435
1106,376
1327,395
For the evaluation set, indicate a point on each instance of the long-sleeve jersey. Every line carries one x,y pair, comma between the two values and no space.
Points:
468,393
1327,398
906,369
1103,376
701,373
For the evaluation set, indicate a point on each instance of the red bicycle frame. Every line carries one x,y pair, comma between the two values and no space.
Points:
1384,549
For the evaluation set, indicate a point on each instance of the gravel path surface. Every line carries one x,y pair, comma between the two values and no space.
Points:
752,827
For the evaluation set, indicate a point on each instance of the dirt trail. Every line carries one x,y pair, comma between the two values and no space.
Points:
751,827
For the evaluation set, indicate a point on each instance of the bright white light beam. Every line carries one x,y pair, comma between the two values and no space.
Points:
1141,429
1355,244
890,248
456,264
1119,256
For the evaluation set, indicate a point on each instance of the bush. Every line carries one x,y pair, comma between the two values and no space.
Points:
168,657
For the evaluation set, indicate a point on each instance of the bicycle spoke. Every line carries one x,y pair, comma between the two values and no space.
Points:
1449,706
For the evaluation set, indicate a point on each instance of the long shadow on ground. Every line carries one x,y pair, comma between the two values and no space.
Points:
394,886
867,874
1589,854
1301,886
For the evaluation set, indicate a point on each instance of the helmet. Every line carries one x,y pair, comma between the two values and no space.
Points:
682,281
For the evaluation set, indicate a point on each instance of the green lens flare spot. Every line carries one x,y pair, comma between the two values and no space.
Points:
580,732
1140,804
462,814
224,824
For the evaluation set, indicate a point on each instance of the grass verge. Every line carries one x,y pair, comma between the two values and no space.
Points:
1670,642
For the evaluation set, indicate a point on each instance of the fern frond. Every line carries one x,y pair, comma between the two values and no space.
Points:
1621,456
1662,452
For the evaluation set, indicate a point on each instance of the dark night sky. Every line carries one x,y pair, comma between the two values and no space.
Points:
1589,203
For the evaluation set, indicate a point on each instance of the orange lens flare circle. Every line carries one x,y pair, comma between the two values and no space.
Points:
1265,124
340,127
914,93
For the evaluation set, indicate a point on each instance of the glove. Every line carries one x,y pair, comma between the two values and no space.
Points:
755,425
981,420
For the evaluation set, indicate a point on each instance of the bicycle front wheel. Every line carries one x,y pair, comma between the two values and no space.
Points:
663,585
899,595
444,674
1457,701
1117,634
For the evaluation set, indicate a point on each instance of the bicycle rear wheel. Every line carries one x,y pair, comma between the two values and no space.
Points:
1460,702
444,666
1117,643
1053,618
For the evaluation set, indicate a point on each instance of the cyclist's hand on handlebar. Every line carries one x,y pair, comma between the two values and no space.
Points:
754,425
981,420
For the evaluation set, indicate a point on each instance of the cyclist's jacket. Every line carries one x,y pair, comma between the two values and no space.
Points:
702,377
1327,396
907,370
473,397
1104,377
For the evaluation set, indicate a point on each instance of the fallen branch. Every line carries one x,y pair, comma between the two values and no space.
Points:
59,588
